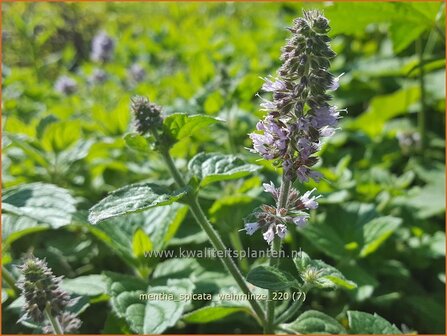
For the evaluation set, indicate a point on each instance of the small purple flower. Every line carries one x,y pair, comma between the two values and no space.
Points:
281,230
304,174
65,85
310,202
272,86
335,83
325,116
273,142
327,132
300,221
103,47
251,228
269,235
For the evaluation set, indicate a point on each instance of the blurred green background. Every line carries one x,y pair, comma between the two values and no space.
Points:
208,58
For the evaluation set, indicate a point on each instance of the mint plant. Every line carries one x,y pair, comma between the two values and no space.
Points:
226,217
299,116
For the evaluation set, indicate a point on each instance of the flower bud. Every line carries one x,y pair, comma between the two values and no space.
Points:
147,115
41,288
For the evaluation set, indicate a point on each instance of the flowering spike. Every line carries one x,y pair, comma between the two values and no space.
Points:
41,290
299,116
147,115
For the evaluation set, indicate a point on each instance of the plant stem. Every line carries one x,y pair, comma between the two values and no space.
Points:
53,321
274,259
214,237
291,311
9,279
423,110
237,245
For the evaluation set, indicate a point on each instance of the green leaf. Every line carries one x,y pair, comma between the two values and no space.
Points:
180,125
213,167
4,295
15,227
346,232
160,223
385,107
327,275
364,323
315,322
133,198
231,209
271,278
212,313
137,142
403,35
60,135
151,310
376,232
429,200
88,285
141,243
41,203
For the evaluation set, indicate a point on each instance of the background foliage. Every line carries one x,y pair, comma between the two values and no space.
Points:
381,220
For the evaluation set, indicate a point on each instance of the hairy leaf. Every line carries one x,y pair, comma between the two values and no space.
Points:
133,198
181,125
214,167
271,278
315,322
364,323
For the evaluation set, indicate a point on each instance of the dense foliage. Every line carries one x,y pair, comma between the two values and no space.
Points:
68,142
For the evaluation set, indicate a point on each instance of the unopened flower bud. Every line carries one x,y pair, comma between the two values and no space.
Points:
41,288
147,115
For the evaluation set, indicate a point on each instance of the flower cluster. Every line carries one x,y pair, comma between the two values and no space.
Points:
65,85
298,116
103,47
273,220
147,115
41,290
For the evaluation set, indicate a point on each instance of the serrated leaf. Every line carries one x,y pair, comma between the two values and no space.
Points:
328,276
214,167
160,315
364,323
180,125
88,285
137,142
315,322
41,203
141,244
212,313
143,310
271,278
133,198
